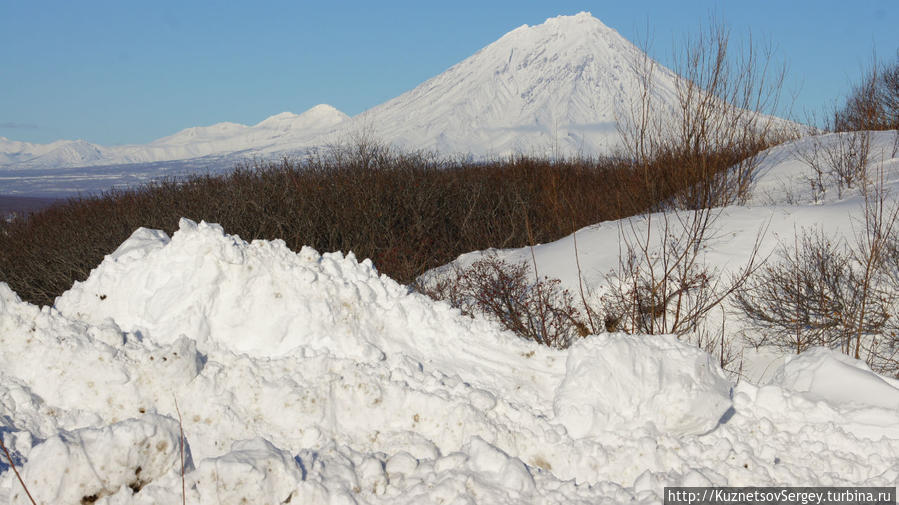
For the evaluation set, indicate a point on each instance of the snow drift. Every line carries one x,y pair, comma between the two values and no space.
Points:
311,378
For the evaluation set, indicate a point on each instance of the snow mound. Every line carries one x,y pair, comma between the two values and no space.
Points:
824,374
261,298
252,468
310,378
614,382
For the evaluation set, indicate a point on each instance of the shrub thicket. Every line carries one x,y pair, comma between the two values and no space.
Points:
408,212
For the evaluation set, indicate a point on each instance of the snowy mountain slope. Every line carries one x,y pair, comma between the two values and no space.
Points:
554,88
13,152
312,379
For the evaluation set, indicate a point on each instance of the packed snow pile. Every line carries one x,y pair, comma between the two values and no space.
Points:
309,378
642,377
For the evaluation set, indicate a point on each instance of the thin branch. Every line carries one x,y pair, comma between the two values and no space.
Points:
13,466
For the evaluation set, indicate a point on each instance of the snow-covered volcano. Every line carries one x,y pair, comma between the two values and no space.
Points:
557,87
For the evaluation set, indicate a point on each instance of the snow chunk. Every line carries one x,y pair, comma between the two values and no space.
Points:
142,242
252,470
616,382
824,374
495,466
93,462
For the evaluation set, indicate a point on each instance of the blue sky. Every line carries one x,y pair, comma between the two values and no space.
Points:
122,72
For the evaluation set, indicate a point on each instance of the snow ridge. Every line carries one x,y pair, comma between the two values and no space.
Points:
219,139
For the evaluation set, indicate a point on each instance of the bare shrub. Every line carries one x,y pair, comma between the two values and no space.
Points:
662,284
869,252
873,103
540,310
836,294
804,298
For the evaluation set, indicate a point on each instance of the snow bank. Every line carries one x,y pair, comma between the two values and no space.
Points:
311,378
824,374
785,175
261,299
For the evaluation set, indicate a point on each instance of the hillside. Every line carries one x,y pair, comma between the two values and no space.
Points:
783,205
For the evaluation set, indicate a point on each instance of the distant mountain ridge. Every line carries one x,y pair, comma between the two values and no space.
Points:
219,139
553,88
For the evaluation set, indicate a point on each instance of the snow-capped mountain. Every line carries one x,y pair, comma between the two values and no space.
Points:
557,87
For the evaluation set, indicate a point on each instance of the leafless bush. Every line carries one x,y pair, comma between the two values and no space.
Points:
872,104
537,310
713,339
839,160
803,299
661,284
837,294
869,253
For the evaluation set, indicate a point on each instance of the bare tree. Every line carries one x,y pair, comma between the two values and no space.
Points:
724,117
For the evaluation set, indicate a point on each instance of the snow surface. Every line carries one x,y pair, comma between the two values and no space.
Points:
557,88
311,378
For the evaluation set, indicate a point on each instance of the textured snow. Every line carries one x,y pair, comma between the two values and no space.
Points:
653,379
837,379
71,465
311,378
